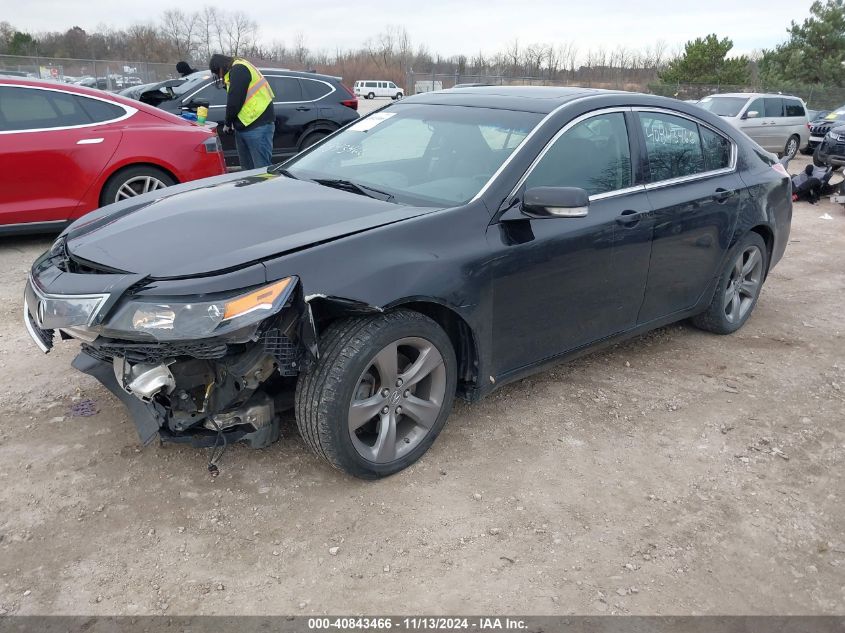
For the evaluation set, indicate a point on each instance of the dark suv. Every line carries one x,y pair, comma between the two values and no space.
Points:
308,107
821,126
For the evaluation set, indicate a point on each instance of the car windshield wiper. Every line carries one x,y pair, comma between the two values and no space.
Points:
283,172
348,185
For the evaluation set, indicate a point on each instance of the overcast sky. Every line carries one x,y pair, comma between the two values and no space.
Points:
450,27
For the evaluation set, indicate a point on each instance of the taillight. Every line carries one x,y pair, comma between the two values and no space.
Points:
780,169
350,103
211,145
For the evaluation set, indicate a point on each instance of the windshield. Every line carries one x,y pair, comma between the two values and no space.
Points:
836,115
723,106
194,81
421,154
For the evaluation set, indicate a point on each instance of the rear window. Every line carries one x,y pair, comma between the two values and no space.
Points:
314,90
100,111
723,106
794,108
716,149
286,89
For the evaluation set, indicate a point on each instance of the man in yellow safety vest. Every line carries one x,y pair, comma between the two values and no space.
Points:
249,109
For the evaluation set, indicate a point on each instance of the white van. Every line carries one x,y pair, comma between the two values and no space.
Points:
369,89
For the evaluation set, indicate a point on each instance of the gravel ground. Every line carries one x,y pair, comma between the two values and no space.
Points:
678,473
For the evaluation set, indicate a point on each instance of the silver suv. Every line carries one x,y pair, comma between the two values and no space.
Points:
777,122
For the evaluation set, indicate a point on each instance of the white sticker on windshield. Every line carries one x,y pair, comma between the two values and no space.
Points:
365,125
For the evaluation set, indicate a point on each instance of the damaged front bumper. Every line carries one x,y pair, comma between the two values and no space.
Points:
191,391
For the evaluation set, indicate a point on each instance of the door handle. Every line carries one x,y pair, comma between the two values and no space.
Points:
629,218
302,109
89,141
723,195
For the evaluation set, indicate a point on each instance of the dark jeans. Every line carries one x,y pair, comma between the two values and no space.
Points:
255,146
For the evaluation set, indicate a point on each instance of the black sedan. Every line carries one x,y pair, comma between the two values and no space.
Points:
308,107
445,245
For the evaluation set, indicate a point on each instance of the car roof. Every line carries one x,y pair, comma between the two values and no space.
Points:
90,92
297,73
748,95
541,99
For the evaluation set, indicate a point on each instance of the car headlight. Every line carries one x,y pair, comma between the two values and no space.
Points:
180,320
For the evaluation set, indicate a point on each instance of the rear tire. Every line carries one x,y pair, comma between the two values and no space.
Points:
341,404
313,138
793,144
738,288
134,181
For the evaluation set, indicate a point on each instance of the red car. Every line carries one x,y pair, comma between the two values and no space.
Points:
66,150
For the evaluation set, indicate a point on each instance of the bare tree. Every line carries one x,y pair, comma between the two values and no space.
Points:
180,29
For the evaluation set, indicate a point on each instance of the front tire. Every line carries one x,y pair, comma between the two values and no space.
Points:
380,393
738,288
371,96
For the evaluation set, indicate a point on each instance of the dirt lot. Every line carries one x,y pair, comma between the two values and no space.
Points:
679,473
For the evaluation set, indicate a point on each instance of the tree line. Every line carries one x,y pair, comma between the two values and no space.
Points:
813,52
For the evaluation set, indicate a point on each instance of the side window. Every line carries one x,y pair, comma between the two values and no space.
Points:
286,89
774,107
717,150
391,85
371,84
673,146
794,107
758,107
32,109
215,96
313,90
100,111
593,155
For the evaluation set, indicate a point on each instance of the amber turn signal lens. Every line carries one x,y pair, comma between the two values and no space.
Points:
260,299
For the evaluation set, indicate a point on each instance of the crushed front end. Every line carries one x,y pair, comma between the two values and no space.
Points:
195,360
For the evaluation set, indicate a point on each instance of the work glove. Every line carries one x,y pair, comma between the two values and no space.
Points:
227,129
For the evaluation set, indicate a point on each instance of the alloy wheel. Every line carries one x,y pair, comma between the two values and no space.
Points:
397,400
743,285
137,186
792,147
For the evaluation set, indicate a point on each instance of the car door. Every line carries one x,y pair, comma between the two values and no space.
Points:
777,127
294,113
755,125
52,148
695,194
561,283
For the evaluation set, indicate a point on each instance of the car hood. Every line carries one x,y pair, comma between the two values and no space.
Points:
222,224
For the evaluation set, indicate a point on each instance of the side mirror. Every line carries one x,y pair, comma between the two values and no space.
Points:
751,114
555,202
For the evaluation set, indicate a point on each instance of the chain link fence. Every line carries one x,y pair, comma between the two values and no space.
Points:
816,97
93,73
119,74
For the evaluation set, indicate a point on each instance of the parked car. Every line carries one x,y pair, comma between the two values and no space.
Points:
777,122
819,127
308,107
449,243
65,150
831,151
370,89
